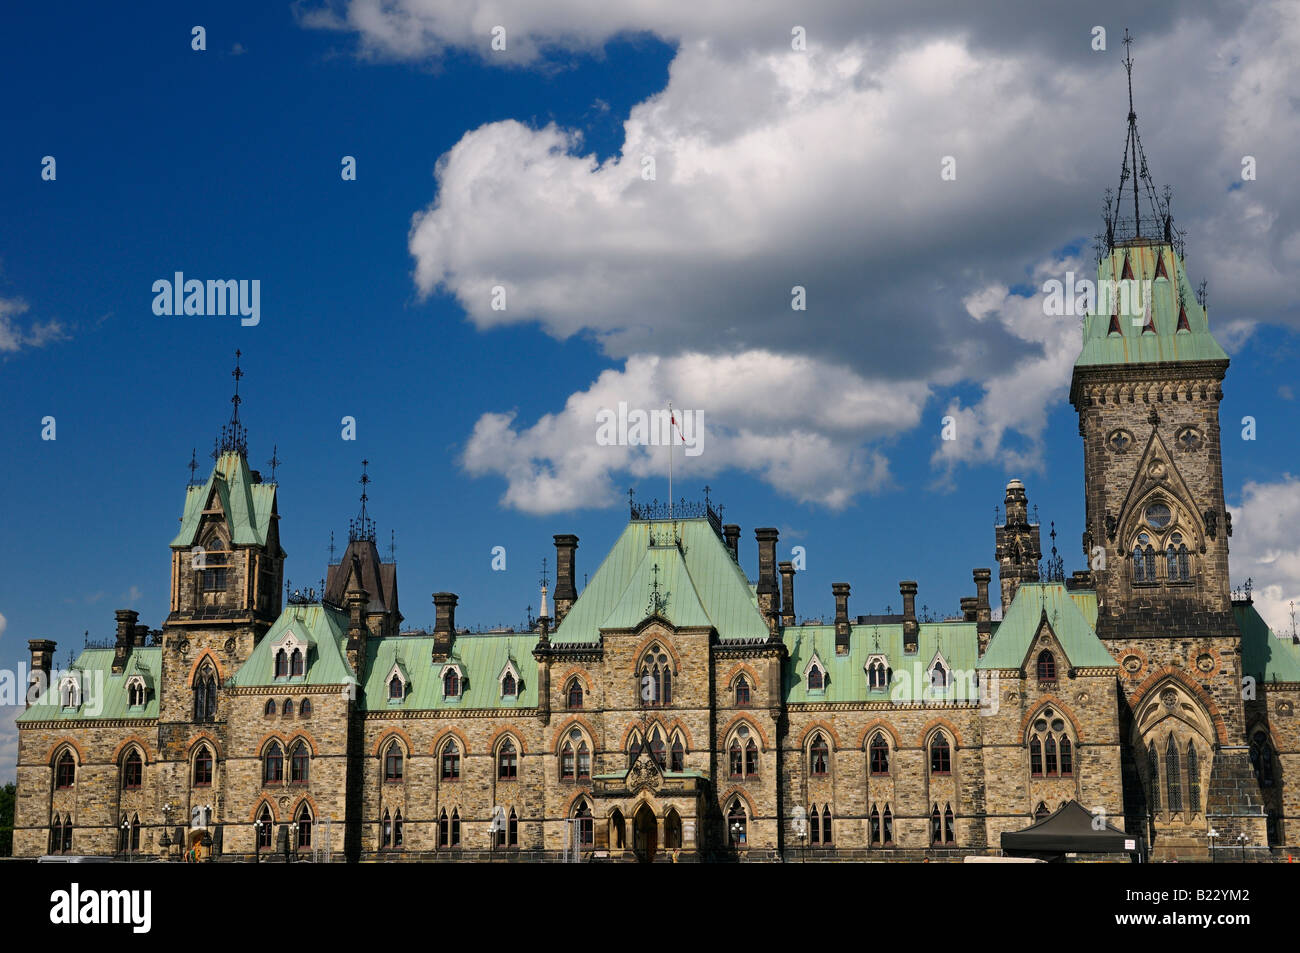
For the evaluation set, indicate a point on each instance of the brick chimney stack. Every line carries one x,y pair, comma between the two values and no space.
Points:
767,588
126,619
983,615
38,679
732,534
840,590
444,627
787,593
911,630
566,590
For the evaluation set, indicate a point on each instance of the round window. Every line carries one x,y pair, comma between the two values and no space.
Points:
1159,515
743,732
1058,725
1040,725
575,735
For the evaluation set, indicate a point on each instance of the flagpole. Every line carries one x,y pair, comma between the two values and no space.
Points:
671,423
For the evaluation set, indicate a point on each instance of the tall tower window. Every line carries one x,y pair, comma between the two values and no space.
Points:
214,566
205,694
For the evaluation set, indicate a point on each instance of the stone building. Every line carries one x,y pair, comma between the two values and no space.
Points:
675,709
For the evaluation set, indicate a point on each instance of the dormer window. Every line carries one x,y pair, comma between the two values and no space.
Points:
815,674
878,673
939,675
1046,667
508,685
136,693
281,664
395,688
451,682
296,663
70,692
214,566
291,654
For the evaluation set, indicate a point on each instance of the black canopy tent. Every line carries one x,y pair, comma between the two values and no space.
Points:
1071,829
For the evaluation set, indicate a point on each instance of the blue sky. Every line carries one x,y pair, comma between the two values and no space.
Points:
772,172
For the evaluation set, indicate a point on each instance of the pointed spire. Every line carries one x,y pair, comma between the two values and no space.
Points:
234,436
363,527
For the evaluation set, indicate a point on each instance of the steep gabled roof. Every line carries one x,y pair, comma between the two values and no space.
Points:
378,578
480,659
1071,616
324,627
104,694
249,505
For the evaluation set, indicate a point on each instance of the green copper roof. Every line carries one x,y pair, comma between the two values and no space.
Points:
1071,615
104,694
481,660
248,505
324,627
1169,292
956,643
700,584
1263,655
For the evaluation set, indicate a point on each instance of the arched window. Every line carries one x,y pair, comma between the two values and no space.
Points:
633,748
574,693
939,677
444,829
826,825
507,761
287,708
742,692
298,764
304,827
61,834
936,826
451,683
386,833
878,675
814,827
677,756
656,678
304,708
393,762
132,770
135,693
508,685
737,825
940,755
1153,775
1177,565
751,759
585,827
203,767
1035,757
1050,765
1067,757
584,762
455,827
657,748
123,834
737,759
887,822
1051,752
269,709
1261,758
818,755
949,825
1144,559
205,694
65,771
1173,777
512,829
875,825
672,830
816,678
273,764
451,762
1193,779
1041,811
1046,666
135,832
617,830
281,663
265,828
396,691
879,750
296,663
568,762
70,693
397,829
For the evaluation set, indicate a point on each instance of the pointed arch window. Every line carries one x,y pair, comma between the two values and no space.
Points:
396,690
269,709
936,826
1261,758
875,826
1177,559
816,678
509,685
1041,811
827,840
1144,559
633,748
455,827
393,762
656,678
814,827
584,762
672,830
507,761
444,829
1051,752
273,764
818,756
568,762
265,827
296,663
450,762
1035,757
938,677
742,692
737,825
281,664
205,694
657,748
304,708
70,692
1153,776
287,708
203,767
135,693
65,770
61,834
751,759
304,827
940,755
299,764
451,683
878,675
677,756
1046,666
737,759
575,693
1193,779
397,829
949,825
512,829
879,755
1173,777
583,822
386,837
132,770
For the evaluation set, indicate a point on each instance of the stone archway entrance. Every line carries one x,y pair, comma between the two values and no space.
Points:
645,834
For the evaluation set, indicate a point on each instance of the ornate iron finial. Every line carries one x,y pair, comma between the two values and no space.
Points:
658,597
363,527
234,436
275,460
546,579
331,547
707,490
392,545
1055,564
194,466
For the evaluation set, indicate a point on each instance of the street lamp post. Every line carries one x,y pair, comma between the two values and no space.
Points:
165,842
257,841
1242,841
126,838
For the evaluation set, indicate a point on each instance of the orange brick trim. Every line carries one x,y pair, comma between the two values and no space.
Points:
1051,701
1169,673
513,734
563,730
580,674
302,736
819,726
205,654
745,719
679,725
311,802
439,741
743,795
579,796
65,743
388,735
666,643
128,742
736,671
209,737
924,736
878,724
257,809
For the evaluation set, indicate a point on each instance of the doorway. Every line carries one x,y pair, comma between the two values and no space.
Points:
645,833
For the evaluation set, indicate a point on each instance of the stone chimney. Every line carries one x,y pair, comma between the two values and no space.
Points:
767,589
911,631
983,615
444,628
840,590
38,679
566,592
968,613
126,619
732,533
140,635
356,599
787,593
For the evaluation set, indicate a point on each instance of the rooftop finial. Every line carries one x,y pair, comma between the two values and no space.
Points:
275,460
234,436
194,466
363,527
